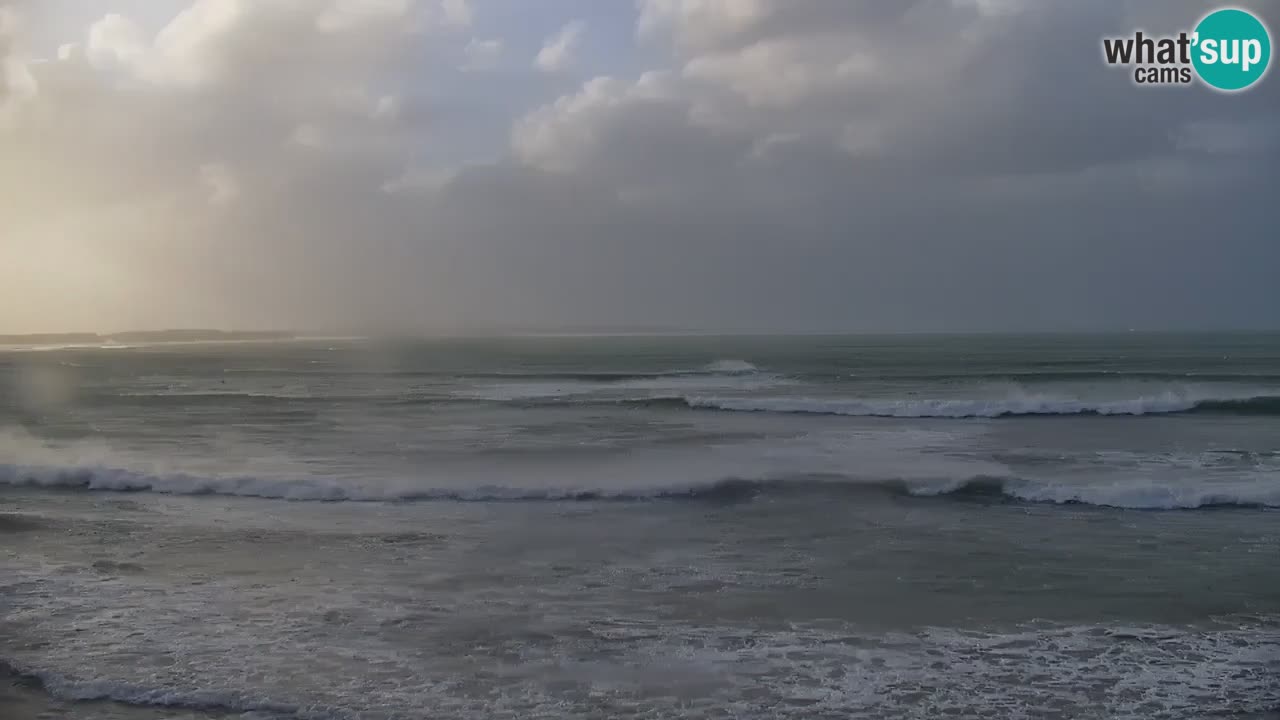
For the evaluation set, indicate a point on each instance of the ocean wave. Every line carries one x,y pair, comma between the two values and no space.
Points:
1165,403
739,386
1261,491
730,367
665,394
1069,376
16,523
715,367
212,701
223,396
1162,670
576,388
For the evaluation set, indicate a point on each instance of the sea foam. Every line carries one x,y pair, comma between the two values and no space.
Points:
1030,404
1259,491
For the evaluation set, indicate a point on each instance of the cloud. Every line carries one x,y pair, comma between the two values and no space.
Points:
483,54
558,51
753,165
456,13
190,159
702,23
420,180
16,82
221,183
905,146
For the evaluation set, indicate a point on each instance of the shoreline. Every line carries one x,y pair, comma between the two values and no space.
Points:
25,698
19,701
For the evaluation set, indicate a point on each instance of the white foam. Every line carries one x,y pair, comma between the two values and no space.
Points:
1013,404
706,670
731,367
859,456
68,688
104,478
924,462
657,387
925,481
1262,491
283,394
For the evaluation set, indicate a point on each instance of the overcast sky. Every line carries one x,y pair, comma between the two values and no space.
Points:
738,165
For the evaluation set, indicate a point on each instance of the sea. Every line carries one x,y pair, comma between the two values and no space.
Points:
706,527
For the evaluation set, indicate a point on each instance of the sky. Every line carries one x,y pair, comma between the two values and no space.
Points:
431,166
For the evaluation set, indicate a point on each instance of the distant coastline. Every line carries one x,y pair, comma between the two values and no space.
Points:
196,335
145,336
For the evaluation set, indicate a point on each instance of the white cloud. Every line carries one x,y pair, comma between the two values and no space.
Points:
15,78
10,22
169,129
220,182
457,13
386,108
197,45
560,135
558,51
482,54
343,15
114,40
702,23
788,70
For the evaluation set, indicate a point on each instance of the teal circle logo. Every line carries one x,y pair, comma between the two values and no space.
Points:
1231,49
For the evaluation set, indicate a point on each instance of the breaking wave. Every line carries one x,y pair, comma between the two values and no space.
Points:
1166,403
717,367
1261,491
730,367
66,688
1178,668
